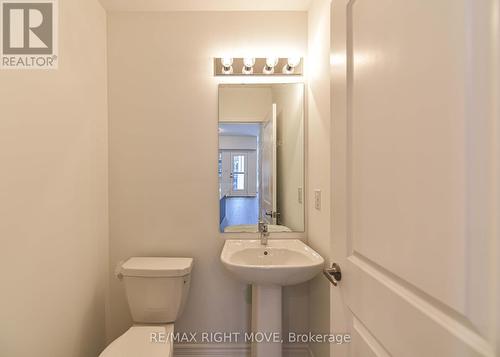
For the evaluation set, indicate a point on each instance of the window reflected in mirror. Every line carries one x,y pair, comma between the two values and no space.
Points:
261,157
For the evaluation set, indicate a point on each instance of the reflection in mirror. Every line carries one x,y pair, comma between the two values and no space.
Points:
261,157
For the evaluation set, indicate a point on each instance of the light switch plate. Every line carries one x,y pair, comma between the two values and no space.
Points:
317,199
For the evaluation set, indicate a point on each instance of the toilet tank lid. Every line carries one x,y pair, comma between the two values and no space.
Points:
161,267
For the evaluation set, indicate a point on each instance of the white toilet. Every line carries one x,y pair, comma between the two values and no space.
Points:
157,289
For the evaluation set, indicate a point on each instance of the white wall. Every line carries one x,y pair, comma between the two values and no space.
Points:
289,101
162,91
53,195
236,142
319,160
244,103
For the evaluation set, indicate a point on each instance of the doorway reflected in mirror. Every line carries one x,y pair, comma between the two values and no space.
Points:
261,157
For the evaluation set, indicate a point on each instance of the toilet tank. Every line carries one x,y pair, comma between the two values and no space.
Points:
156,287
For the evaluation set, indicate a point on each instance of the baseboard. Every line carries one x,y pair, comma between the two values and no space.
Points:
202,349
296,350
234,350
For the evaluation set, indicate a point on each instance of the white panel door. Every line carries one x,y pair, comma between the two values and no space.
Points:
415,177
268,191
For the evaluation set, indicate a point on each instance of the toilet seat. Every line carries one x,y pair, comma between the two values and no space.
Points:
137,342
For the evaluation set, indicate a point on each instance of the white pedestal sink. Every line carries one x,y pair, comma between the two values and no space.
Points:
281,262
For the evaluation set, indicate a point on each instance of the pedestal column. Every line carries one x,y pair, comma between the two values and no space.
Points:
266,320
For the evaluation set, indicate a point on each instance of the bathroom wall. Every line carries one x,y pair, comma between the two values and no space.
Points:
163,151
53,195
237,142
244,103
319,161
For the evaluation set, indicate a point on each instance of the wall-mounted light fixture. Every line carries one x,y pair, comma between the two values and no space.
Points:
227,66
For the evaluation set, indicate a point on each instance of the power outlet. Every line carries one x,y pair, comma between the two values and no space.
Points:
317,199
299,195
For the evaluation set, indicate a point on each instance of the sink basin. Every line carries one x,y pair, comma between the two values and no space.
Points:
281,262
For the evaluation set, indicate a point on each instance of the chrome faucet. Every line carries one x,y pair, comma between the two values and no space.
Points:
264,233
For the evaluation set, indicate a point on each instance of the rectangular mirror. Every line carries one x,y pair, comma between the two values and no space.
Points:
261,157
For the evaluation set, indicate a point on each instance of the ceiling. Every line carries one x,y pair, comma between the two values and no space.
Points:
206,5
239,129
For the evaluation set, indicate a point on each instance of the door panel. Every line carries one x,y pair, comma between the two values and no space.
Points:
406,321
225,174
415,177
268,191
364,343
407,141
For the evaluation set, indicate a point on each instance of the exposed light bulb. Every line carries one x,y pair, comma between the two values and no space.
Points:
271,62
248,61
226,61
294,61
227,70
268,70
227,65
291,64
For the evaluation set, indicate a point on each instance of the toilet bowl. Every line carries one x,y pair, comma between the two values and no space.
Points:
141,341
156,289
